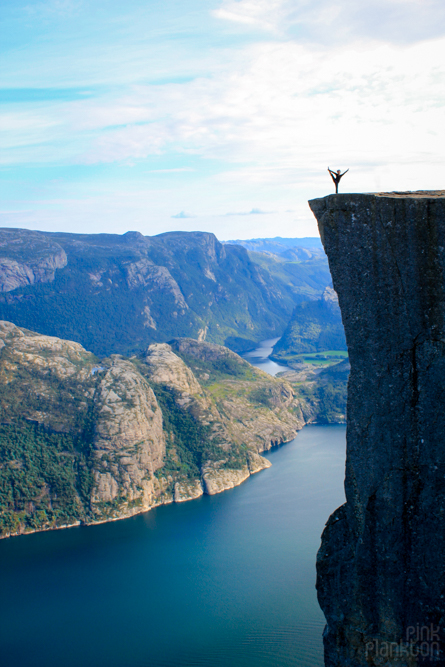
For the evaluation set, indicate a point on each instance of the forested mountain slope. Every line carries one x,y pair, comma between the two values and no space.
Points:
84,439
117,294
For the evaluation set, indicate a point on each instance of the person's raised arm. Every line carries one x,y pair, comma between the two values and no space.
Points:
345,172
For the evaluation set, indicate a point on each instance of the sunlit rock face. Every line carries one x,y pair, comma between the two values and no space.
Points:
28,257
381,565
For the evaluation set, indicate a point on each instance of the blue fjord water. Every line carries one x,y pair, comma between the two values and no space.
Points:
221,581
260,357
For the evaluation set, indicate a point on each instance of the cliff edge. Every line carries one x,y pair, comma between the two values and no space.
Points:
381,575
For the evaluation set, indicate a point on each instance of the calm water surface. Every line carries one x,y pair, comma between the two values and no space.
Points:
259,357
221,581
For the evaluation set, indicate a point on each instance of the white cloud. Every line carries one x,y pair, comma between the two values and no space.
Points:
354,89
284,107
286,110
326,22
263,14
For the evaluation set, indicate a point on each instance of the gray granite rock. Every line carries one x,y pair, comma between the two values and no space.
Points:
381,565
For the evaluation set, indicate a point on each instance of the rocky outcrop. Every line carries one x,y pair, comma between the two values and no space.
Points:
28,257
156,278
92,440
44,379
217,477
188,490
28,349
244,408
129,442
167,368
253,408
381,563
261,416
330,298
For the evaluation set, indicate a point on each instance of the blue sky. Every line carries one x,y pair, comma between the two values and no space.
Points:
218,115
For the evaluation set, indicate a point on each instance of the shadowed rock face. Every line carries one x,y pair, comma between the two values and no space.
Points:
381,565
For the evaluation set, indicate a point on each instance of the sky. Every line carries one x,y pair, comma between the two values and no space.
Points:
214,115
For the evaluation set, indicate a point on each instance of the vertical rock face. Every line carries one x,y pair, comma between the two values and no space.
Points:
129,442
381,565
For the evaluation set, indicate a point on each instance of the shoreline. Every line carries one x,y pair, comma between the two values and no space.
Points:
167,500
230,478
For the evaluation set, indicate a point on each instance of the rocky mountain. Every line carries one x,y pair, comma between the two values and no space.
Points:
380,565
315,326
84,439
118,294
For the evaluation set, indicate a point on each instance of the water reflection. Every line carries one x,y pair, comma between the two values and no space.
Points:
260,357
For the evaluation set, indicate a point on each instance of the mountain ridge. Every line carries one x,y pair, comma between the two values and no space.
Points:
119,293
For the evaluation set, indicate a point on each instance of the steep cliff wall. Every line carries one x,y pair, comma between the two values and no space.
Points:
381,574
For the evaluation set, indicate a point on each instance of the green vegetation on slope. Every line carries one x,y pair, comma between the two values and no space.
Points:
212,370
303,278
84,439
45,478
189,444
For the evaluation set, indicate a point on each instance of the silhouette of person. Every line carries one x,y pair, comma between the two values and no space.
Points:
336,176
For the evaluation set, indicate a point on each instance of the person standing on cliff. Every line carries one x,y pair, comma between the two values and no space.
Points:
336,176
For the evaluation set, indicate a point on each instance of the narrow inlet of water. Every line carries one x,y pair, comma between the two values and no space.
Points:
260,357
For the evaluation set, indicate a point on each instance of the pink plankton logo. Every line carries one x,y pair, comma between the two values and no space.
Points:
421,641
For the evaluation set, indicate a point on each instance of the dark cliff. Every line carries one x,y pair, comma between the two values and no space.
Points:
381,565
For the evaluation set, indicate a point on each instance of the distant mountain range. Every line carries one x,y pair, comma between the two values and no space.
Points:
119,293
288,248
